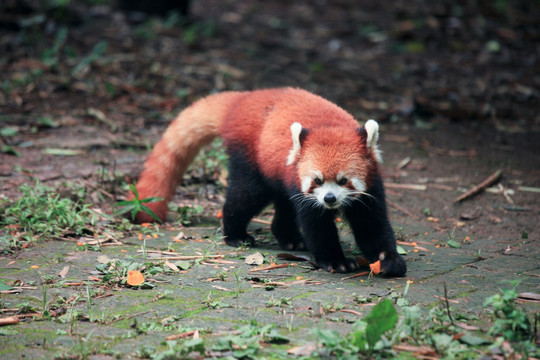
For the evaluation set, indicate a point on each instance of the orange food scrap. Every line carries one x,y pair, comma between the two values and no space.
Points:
135,278
124,251
416,250
34,267
375,267
80,243
145,224
338,219
155,236
219,215
299,277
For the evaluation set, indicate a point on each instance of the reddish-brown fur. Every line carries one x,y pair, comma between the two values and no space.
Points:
259,123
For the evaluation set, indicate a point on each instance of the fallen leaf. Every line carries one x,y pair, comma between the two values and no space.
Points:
375,267
135,278
64,272
304,350
171,266
255,259
183,264
416,350
466,326
104,259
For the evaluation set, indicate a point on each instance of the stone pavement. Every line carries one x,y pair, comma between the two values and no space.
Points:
217,295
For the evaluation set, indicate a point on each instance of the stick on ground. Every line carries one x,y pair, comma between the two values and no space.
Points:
478,188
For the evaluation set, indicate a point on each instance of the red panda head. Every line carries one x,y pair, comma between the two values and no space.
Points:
334,164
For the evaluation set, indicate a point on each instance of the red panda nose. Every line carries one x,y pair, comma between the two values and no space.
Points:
330,198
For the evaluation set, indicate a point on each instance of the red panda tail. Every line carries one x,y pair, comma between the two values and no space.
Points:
193,128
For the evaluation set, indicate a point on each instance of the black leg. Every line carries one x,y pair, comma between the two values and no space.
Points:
246,196
373,233
285,226
322,240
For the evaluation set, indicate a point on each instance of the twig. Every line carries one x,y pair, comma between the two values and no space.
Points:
10,320
349,311
418,187
174,256
529,189
402,209
261,221
447,303
269,267
363,273
483,185
183,335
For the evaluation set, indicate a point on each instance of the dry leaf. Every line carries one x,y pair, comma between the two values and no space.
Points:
375,267
304,350
64,272
171,266
135,278
255,259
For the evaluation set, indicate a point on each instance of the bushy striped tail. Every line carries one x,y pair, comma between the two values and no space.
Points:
192,129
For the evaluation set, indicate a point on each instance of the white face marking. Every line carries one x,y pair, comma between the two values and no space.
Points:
306,184
331,188
358,184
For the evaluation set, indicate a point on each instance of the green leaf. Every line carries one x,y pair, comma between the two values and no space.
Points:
149,211
4,286
151,199
184,265
6,149
453,244
9,131
382,318
400,250
473,340
359,338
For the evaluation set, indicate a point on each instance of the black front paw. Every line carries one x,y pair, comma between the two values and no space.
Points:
239,241
392,264
344,265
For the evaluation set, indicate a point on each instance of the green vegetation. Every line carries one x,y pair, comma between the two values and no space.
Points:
40,214
135,205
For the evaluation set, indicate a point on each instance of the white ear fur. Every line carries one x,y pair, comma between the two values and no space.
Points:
296,129
372,129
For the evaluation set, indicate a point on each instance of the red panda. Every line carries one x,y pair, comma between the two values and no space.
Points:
291,148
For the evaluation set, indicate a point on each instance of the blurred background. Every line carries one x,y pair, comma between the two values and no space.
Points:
414,61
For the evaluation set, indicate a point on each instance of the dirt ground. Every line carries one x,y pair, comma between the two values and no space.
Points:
455,87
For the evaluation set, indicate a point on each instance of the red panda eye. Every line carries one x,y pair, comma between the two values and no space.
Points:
343,181
317,181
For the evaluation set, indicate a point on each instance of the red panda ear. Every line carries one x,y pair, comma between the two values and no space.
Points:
363,133
303,135
370,136
298,136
